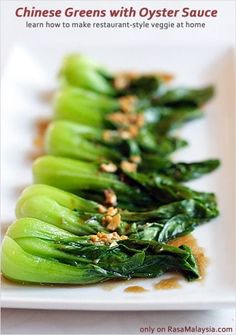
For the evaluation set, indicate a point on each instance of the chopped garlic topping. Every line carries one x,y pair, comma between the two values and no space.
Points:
109,238
128,166
123,79
119,117
112,211
108,167
102,209
106,219
115,222
127,103
107,135
133,130
127,119
110,197
166,77
135,159
140,120
125,134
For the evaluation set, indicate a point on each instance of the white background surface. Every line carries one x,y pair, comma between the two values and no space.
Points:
72,322
219,32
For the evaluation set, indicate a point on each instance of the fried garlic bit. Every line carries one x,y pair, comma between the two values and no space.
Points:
110,238
164,76
135,159
108,167
125,119
127,103
128,166
111,218
112,211
124,134
107,135
114,223
133,130
110,197
122,80
102,209
128,125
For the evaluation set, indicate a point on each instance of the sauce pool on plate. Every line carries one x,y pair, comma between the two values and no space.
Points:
135,289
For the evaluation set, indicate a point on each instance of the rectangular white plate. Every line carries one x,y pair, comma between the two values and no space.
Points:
30,72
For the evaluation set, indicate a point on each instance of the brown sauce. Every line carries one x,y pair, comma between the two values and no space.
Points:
164,284
47,96
198,251
135,289
38,141
168,284
41,125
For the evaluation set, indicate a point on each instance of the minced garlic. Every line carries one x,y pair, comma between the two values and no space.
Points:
102,209
109,238
127,103
122,80
115,222
128,166
111,218
111,211
135,159
107,135
110,197
108,167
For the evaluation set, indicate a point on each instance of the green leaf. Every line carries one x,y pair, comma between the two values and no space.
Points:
51,255
68,139
19,265
84,107
144,86
80,71
179,171
184,97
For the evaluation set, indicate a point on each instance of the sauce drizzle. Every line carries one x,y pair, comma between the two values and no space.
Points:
198,251
168,284
135,289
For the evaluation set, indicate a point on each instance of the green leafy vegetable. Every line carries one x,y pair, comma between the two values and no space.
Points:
80,71
69,174
84,107
180,171
179,97
165,190
110,146
34,251
143,86
147,191
177,119
68,139
81,217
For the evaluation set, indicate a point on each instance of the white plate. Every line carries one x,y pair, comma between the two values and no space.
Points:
29,72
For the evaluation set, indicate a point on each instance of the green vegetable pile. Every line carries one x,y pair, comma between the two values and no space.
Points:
107,196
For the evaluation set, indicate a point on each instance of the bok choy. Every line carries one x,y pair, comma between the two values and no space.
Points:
37,252
108,197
